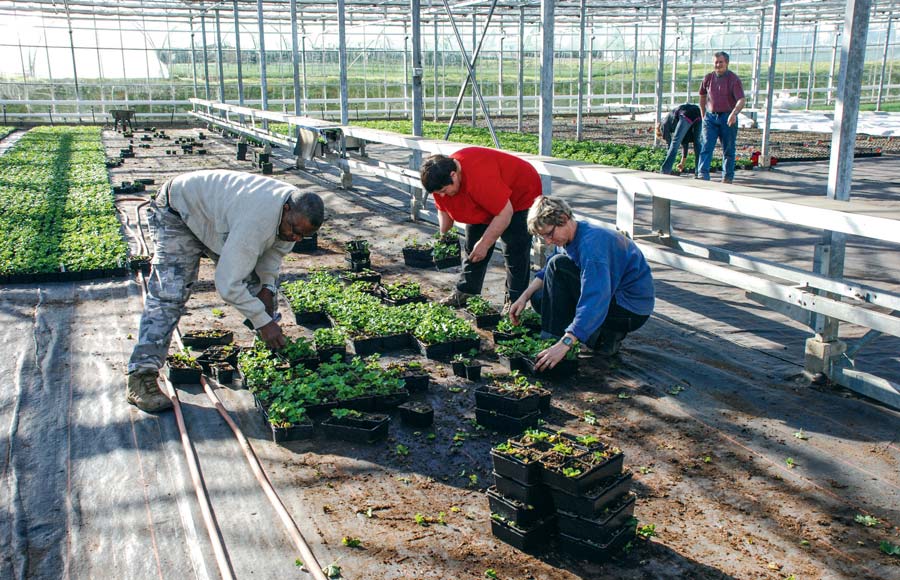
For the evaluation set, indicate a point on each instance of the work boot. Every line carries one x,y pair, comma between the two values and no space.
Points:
456,300
610,344
727,180
143,392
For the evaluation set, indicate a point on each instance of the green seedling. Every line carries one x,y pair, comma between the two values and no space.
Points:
473,480
889,548
332,571
868,521
790,462
624,396
590,418
218,313
647,531
402,450
707,459
571,471
801,435
675,390
351,542
644,469
490,573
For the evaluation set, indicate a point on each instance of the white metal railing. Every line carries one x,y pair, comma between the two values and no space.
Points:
792,291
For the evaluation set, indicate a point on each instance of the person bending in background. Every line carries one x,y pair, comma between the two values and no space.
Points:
491,192
595,288
681,128
246,223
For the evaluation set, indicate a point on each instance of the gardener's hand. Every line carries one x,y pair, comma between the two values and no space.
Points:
732,119
479,252
515,309
681,166
549,358
272,335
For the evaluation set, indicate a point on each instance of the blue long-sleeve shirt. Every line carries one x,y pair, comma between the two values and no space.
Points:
610,265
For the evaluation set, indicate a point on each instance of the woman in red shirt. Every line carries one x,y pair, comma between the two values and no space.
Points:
490,191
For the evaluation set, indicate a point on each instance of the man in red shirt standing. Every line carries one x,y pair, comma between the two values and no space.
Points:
721,100
490,191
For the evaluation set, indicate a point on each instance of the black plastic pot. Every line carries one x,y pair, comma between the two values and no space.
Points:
184,376
366,346
374,277
459,368
532,540
415,382
303,430
418,257
223,372
501,422
266,168
601,528
261,158
484,320
395,342
536,495
448,262
594,552
401,301
241,151
526,472
513,363
564,368
490,398
368,429
310,317
326,354
473,373
196,340
358,265
391,401
590,475
591,502
513,510
358,255
416,414
307,245
141,263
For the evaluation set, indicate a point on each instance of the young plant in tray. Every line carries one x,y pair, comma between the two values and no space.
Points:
182,360
445,246
405,289
478,306
327,338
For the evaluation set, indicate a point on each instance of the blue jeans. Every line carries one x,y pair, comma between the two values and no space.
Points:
715,127
681,129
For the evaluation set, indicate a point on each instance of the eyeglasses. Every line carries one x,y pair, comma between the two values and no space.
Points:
548,235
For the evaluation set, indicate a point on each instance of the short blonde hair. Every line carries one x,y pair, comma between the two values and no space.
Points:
545,212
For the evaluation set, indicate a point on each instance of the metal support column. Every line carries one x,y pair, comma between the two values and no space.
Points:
770,84
435,65
474,65
237,55
674,94
500,76
545,137
825,349
634,70
205,53
834,53
590,82
884,55
578,120
690,79
757,62
342,56
405,67
193,59
263,81
521,77
811,80
418,104
661,64
219,58
303,67
295,58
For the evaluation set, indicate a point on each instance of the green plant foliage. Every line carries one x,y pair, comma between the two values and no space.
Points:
329,337
56,205
601,153
479,306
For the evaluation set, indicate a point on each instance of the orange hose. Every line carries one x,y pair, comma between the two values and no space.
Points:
309,559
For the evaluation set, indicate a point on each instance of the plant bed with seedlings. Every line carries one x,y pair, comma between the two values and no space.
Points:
441,252
355,426
414,376
371,276
512,394
201,339
402,292
482,312
183,369
330,342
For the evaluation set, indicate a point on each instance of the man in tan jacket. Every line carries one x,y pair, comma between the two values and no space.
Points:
246,223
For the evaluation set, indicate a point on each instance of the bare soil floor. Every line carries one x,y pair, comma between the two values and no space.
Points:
95,488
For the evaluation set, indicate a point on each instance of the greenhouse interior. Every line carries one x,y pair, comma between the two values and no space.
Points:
420,289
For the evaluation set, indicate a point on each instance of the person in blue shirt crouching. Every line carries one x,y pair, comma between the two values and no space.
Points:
595,288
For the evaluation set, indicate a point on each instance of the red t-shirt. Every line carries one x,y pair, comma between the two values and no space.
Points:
722,92
489,179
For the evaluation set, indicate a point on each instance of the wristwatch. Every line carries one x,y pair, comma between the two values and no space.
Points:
569,341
